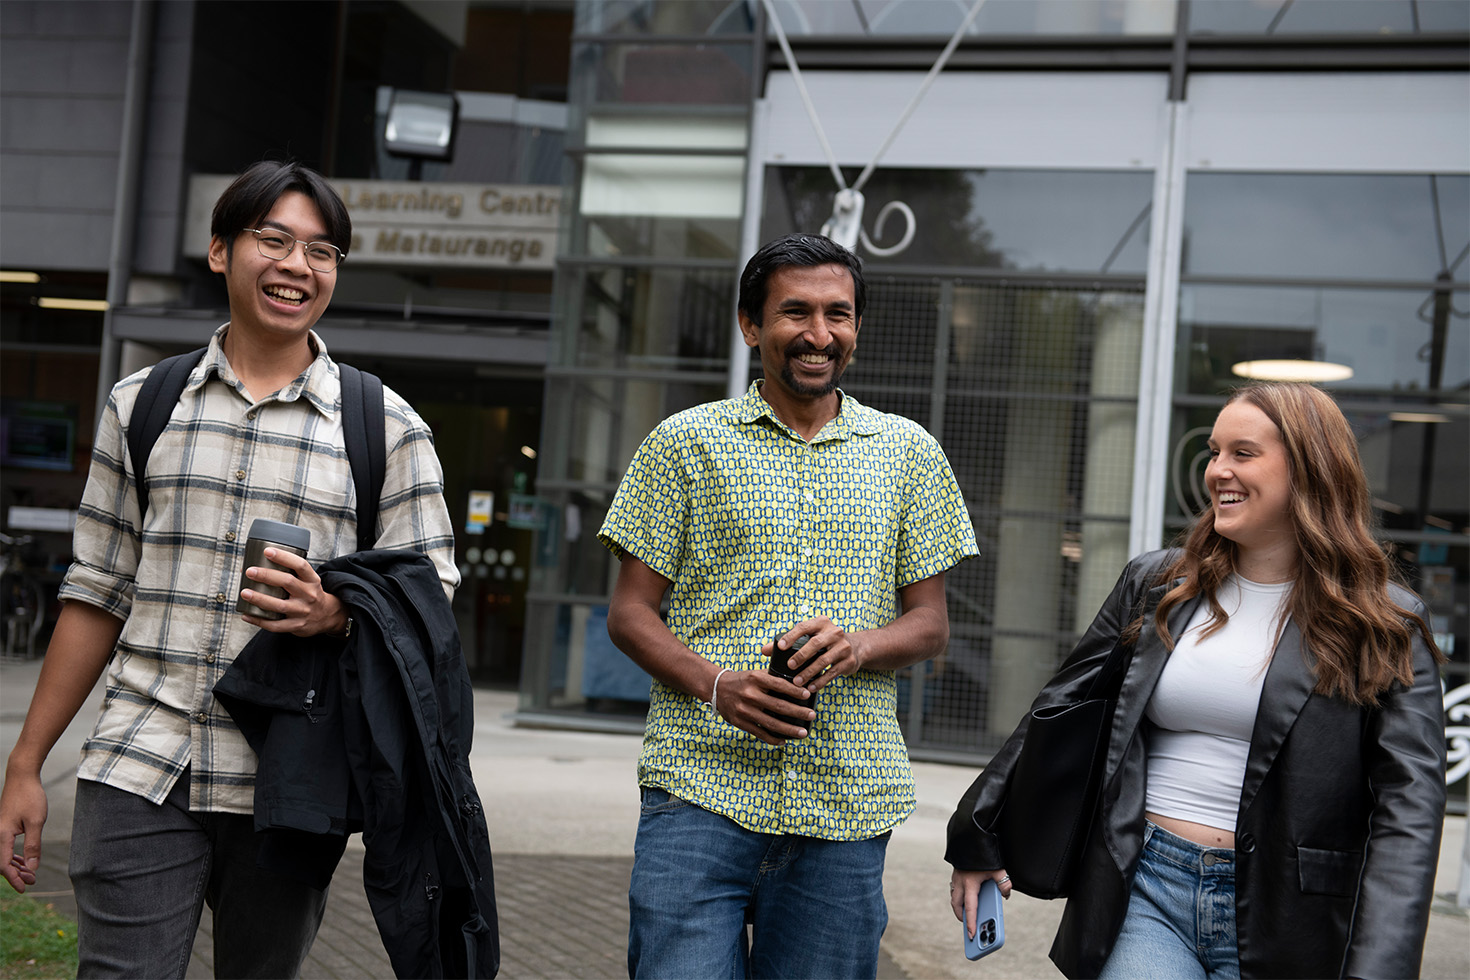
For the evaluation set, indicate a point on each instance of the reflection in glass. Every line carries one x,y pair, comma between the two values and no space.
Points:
1329,226
1388,337
665,74
1328,16
943,17
1027,220
659,319
665,17
1032,392
606,418
663,237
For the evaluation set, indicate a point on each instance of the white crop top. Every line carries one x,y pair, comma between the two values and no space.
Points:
1204,706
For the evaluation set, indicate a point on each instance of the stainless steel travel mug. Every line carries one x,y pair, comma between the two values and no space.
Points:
269,534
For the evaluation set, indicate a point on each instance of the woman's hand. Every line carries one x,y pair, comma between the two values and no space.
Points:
964,893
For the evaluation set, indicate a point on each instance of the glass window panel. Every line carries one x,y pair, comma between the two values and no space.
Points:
1387,337
607,418
665,17
667,74
693,238
584,671
1033,393
660,319
1328,16
692,187
1028,220
1330,226
943,17
685,132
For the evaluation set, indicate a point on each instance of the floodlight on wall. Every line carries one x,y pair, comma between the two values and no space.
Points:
1291,370
421,125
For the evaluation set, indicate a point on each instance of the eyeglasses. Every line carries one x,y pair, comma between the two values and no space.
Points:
273,244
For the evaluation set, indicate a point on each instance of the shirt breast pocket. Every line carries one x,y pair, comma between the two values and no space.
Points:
1325,872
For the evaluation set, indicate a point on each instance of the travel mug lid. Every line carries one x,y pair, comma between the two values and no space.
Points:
279,532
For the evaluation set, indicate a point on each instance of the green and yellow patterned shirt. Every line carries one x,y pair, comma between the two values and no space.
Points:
758,530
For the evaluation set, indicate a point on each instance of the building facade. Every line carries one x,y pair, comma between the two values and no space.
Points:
120,122
1078,234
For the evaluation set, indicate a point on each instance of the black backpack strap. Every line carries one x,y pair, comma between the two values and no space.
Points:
156,399
365,435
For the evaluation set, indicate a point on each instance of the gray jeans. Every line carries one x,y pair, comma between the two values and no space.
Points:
143,873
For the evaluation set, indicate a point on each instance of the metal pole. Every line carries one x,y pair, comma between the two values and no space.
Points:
125,198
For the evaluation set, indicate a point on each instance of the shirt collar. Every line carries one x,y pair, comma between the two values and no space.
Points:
853,419
319,384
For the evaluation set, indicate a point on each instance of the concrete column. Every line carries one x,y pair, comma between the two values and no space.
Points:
1037,446
1111,427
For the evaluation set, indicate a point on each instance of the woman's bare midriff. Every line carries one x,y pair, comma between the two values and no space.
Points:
1198,833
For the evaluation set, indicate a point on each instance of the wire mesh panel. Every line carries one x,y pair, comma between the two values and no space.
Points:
1032,390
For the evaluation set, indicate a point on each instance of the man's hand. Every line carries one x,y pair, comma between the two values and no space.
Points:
829,652
308,609
747,699
22,814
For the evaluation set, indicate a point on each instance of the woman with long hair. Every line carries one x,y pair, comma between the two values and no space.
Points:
1274,792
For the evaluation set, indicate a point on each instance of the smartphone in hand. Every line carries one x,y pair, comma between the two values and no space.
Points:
990,924
781,667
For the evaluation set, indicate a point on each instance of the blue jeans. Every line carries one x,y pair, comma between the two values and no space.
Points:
815,907
143,872
1181,914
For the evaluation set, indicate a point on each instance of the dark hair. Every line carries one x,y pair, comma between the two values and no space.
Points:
1359,639
252,194
799,250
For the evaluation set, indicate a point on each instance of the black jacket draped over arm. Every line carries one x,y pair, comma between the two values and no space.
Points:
374,735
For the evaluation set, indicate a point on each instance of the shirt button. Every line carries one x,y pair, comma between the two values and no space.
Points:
229,535
201,717
810,496
250,416
803,609
807,552
209,658
219,597
239,474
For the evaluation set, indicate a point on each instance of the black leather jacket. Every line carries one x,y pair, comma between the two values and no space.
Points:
375,735
1340,815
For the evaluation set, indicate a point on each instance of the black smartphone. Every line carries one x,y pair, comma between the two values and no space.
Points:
781,667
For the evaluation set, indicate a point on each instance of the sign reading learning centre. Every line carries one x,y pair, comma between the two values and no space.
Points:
410,223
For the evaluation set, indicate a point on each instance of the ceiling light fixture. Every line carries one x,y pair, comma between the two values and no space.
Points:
63,303
1292,370
9,275
1418,417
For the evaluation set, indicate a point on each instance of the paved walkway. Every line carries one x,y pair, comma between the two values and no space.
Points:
562,809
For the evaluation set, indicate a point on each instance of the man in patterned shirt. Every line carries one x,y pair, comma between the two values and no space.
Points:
791,512
162,821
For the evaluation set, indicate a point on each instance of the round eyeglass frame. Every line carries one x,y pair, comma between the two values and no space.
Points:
305,248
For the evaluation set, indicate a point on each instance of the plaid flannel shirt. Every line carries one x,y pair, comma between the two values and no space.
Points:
223,461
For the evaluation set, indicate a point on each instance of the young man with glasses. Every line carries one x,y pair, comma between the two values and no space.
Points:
162,821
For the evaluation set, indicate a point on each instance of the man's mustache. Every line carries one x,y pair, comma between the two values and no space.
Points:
798,347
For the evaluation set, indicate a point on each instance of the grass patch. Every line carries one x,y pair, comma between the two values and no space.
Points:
36,942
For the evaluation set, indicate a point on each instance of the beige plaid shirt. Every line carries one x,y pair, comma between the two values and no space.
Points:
223,461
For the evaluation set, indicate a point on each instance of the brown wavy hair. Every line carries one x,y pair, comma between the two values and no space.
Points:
1359,640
